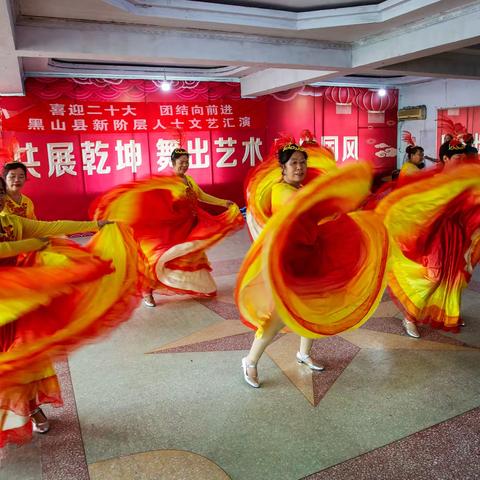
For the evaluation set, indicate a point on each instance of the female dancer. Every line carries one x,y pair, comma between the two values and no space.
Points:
261,179
312,268
172,229
434,221
293,161
15,175
414,163
56,299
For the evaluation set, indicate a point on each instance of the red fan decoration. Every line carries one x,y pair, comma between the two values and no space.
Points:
455,129
4,156
454,142
10,151
281,141
307,138
179,136
408,138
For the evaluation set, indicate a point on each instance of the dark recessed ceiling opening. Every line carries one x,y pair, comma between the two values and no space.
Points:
353,75
68,63
287,7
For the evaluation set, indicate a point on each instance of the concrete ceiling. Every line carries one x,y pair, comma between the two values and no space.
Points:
267,45
298,5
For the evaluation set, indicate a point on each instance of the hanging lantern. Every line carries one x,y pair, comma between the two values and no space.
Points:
371,101
343,97
376,105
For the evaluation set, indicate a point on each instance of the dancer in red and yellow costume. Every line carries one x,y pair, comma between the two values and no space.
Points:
315,267
15,175
262,178
434,222
414,163
62,295
174,232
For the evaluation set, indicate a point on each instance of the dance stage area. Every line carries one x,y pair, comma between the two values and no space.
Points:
164,398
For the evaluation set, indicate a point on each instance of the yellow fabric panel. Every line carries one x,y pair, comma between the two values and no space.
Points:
205,197
281,193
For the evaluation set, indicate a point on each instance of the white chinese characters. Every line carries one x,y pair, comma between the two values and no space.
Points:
100,157
61,159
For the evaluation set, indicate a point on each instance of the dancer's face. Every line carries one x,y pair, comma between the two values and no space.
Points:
15,180
295,169
417,157
181,165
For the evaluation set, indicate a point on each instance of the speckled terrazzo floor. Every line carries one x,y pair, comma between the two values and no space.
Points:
164,398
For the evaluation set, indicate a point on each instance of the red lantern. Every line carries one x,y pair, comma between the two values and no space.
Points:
371,101
341,95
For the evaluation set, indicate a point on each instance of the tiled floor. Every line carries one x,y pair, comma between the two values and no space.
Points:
164,398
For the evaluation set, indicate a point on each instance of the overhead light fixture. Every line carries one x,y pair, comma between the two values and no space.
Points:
382,92
165,86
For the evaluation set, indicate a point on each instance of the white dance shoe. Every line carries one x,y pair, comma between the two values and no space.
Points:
252,380
40,423
410,328
307,360
149,301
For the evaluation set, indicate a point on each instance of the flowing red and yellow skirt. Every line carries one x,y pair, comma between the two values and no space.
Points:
317,262
65,296
173,231
434,223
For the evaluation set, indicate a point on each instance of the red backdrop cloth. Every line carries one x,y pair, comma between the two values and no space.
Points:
84,136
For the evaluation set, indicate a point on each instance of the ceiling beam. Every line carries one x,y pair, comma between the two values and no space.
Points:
451,64
7,27
277,79
396,48
11,74
118,43
235,15
452,30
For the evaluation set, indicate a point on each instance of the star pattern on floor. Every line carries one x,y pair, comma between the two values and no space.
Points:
382,332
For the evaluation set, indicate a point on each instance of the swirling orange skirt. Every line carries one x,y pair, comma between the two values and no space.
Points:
173,231
66,296
318,263
434,224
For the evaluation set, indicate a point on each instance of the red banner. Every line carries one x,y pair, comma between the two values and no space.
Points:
80,137
116,117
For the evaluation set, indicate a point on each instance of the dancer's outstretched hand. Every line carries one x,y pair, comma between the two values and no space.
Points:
46,242
102,223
